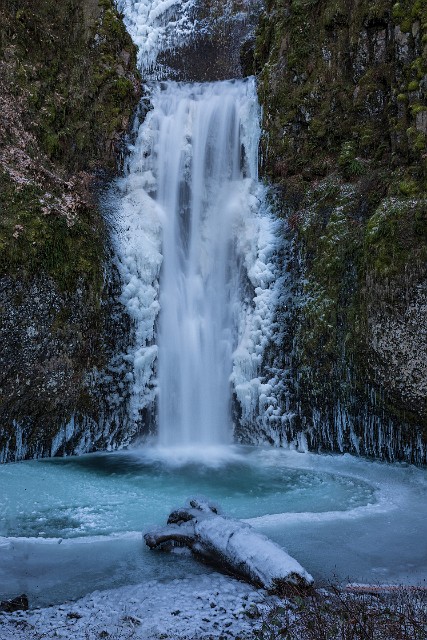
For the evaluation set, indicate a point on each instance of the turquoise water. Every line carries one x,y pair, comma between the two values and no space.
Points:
109,493
72,525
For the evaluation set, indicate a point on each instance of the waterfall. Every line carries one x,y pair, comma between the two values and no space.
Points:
200,178
212,280
196,247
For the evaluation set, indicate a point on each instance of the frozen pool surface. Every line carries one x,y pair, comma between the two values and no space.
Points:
73,525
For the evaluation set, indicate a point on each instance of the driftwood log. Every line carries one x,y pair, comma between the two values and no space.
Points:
230,545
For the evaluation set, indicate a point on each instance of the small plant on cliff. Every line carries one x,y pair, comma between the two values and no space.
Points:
349,164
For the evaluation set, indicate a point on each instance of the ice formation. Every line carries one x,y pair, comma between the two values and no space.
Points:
196,242
157,25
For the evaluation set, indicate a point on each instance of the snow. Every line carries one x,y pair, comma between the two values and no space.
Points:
194,607
245,551
264,559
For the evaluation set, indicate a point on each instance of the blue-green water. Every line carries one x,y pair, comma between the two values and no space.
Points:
73,525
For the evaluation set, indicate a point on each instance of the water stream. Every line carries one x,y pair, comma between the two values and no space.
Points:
196,244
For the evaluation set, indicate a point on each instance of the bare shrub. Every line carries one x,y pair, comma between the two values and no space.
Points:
358,614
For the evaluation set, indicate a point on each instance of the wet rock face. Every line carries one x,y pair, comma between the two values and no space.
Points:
397,340
57,391
39,345
344,103
68,87
204,60
214,52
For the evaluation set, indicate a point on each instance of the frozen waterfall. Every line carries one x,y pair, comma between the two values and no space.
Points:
196,245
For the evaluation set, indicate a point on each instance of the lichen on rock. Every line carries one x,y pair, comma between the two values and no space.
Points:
68,88
343,90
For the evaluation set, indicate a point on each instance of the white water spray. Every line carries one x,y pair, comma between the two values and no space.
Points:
195,241
194,226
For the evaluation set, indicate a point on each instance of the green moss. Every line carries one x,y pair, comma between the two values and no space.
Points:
72,75
305,54
331,239
121,91
68,70
348,163
418,68
51,143
408,187
32,241
418,108
113,26
413,85
406,25
318,127
396,235
398,12
420,142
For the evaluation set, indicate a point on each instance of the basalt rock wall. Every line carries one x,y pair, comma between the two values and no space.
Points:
68,87
343,88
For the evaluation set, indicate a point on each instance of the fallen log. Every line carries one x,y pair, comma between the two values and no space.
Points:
230,545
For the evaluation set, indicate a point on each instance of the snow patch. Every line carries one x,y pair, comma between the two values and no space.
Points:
196,607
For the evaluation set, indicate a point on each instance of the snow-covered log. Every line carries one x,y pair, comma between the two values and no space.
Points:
230,545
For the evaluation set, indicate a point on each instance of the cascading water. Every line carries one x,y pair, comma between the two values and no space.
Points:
194,226
200,170
196,246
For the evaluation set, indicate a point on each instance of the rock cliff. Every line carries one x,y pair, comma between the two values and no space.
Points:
343,87
68,86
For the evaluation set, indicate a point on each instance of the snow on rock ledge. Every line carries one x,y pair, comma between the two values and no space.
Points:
230,545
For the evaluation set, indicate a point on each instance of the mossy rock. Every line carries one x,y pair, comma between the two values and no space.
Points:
70,69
